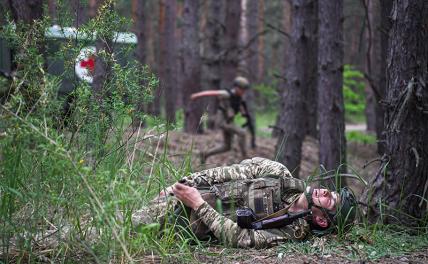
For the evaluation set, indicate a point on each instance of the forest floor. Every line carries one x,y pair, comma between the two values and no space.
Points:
181,145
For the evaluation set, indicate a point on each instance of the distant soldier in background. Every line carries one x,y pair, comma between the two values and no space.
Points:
230,103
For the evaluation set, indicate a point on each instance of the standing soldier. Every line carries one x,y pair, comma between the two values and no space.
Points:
230,103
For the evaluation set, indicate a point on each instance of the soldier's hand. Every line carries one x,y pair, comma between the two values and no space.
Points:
190,196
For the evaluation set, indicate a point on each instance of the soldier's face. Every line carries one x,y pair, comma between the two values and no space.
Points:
325,199
239,91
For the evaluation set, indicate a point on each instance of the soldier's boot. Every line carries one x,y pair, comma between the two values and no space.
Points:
243,145
202,157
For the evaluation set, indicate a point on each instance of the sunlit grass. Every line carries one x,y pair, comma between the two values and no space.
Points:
361,243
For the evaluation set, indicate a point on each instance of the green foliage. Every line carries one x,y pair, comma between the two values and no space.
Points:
71,187
361,243
360,137
353,93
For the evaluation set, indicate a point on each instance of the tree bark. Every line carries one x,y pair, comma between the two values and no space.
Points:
311,68
377,39
250,55
230,43
211,69
79,10
139,28
299,72
52,6
330,82
261,42
167,59
400,187
26,11
190,65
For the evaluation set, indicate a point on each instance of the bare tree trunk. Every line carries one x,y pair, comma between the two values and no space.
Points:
294,117
287,22
261,42
211,70
139,28
378,24
385,26
167,59
26,11
230,43
190,65
249,16
330,81
52,6
400,187
79,10
311,68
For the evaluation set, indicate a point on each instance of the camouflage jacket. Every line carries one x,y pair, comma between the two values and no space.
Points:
226,229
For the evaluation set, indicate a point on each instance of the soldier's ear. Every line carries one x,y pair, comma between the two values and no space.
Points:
321,221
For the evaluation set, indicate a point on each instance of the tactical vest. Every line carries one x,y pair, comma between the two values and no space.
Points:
263,195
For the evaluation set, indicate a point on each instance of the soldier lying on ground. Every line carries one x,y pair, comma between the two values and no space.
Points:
263,185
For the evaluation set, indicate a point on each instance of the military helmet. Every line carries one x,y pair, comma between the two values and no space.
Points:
241,82
347,210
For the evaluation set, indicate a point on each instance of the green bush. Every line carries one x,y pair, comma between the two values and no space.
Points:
67,193
354,95
360,137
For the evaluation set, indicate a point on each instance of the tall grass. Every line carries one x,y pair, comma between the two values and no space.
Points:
67,194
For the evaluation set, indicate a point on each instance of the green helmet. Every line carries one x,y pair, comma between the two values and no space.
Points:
347,210
241,82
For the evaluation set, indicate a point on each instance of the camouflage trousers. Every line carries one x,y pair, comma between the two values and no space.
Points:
229,131
156,211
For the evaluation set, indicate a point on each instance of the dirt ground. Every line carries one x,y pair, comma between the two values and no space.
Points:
180,145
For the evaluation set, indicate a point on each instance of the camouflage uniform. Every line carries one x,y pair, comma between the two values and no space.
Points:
224,228
224,119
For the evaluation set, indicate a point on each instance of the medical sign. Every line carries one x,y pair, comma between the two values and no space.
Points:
85,64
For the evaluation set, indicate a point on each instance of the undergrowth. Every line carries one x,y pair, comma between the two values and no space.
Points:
361,243
69,183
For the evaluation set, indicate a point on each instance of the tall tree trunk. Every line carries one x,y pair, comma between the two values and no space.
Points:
230,43
26,11
287,22
311,68
401,185
211,70
250,55
377,25
79,10
52,6
261,41
385,26
190,65
330,81
372,56
139,28
294,116
167,59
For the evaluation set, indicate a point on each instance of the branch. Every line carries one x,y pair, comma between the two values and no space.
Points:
415,152
373,85
271,26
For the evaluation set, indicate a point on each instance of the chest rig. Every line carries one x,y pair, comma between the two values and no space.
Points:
262,195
